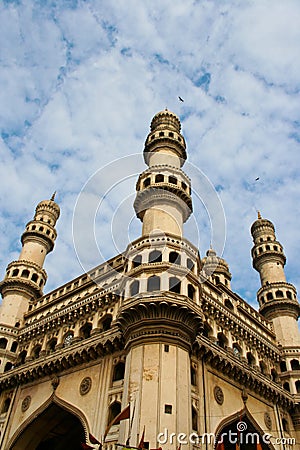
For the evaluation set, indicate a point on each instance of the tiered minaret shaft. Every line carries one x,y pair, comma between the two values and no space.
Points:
159,315
25,278
277,298
163,201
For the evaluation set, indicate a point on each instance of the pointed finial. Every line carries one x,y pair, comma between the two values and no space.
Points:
258,215
53,196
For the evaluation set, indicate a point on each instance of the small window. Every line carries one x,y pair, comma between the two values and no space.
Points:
36,351
283,367
161,133
15,272
174,285
174,258
250,359
286,386
146,182
3,343
269,296
166,348
155,256
268,247
275,248
237,350
171,134
14,347
51,345
222,340
85,331
8,366
34,277
25,273
228,304
279,294
153,284
191,292
194,419
297,384
119,371
159,178
289,295
172,180
114,410
183,185
134,288
137,261
189,264
295,364
106,323
168,409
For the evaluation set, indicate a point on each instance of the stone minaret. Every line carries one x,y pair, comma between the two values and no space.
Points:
277,298
163,200
159,315
25,278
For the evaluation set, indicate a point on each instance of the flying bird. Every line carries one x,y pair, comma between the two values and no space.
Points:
180,99
256,179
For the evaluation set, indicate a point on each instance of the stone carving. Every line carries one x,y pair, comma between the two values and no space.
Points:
218,394
85,386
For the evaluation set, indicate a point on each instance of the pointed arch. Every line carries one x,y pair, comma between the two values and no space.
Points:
15,441
231,421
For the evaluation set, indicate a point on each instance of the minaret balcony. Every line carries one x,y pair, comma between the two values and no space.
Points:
162,139
24,276
41,232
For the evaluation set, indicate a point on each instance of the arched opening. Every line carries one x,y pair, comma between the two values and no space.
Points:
250,359
21,357
228,304
85,330
297,384
15,272
105,323
237,350
269,296
25,273
283,367
189,264
263,367
207,330
295,364
53,429
119,371
51,345
222,340
172,180
289,295
3,343
36,351
159,178
134,288
14,346
279,294
153,283
114,410
249,436
174,285
34,277
137,261
146,182
8,366
274,375
286,386
191,292
155,256
174,258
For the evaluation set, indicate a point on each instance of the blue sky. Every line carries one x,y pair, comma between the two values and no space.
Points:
80,82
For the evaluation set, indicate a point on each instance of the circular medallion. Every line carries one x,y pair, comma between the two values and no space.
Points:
218,394
268,421
85,385
26,403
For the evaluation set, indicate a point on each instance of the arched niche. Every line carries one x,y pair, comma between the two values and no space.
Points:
241,420
56,425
